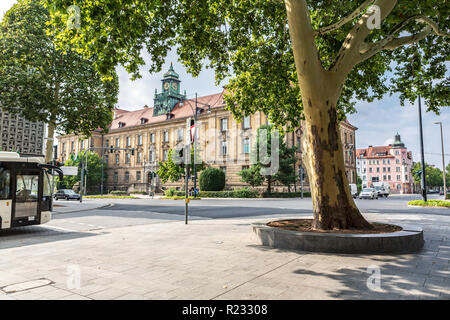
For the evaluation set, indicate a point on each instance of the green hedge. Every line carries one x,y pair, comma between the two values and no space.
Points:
118,192
239,193
212,179
138,192
286,195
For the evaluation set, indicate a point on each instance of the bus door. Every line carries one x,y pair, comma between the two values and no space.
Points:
28,191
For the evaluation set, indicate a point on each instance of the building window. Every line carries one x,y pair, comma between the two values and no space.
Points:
397,161
378,169
223,124
397,153
128,141
117,142
138,175
389,177
139,157
82,144
72,146
116,177
247,145
117,158
127,158
384,169
151,155
180,134
245,167
397,169
398,177
406,177
389,169
246,123
140,140
64,147
165,155
224,148
127,176
152,138
370,170
107,143
166,136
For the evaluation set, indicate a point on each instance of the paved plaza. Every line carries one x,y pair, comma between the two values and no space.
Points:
114,253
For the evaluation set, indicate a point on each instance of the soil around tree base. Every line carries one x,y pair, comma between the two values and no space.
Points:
305,225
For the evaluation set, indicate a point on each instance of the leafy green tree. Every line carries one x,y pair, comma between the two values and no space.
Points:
43,84
93,173
358,184
212,179
286,158
173,169
433,175
292,59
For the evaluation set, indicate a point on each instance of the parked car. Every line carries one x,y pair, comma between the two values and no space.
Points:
353,190
368,193
382,188
66,194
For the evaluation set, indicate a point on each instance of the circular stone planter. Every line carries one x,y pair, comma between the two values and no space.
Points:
410,239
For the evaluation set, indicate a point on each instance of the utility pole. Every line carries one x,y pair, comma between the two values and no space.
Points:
443,161
187,160
423,182
195,145
103,163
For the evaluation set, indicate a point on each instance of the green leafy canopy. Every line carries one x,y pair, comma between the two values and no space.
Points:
44,84
248,40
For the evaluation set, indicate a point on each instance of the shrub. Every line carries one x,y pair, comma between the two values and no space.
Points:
119,192
170,192
212,179
138,192
286,195
430,203
240,193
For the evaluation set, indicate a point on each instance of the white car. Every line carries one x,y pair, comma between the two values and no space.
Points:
368,193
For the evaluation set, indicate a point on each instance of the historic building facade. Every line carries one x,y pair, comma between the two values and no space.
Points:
148,134
391,164
20,135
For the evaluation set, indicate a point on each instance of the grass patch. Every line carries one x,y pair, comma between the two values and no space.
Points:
430,203
110,196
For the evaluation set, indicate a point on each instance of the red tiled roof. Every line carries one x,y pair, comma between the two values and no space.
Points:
371,152
133,118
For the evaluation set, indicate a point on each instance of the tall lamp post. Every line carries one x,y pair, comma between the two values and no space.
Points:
443,161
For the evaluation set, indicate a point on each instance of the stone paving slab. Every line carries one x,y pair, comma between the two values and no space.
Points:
218,259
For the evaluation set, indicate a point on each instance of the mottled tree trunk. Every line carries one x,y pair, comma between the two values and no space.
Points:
49,144
323,153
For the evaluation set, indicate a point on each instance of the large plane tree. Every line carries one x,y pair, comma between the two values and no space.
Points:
60,88
294,60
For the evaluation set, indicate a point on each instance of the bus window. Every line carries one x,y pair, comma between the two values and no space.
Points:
47,185
26,195
4,184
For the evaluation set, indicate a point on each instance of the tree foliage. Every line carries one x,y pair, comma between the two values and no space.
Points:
44,84
433,175
286,160
93,167
248,40
174,170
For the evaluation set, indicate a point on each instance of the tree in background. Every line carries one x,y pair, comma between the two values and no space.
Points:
359,184
174,170
285,173
433,175
292,60
41,83
93,173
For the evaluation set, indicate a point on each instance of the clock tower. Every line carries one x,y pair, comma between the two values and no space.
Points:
165,101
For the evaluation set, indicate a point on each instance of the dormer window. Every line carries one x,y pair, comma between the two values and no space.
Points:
144,120
170,116
121,124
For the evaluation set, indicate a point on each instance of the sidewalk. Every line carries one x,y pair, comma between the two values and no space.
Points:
219,259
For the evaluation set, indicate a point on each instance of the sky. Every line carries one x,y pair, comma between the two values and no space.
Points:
377,122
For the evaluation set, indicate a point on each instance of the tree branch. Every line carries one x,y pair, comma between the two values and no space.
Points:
337,25
392,43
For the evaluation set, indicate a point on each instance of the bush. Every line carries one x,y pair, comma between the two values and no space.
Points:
118,192
138,192
240,193
430,203
170,192
286,195
212,179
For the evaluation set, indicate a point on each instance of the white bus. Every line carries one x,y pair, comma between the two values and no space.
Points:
25,190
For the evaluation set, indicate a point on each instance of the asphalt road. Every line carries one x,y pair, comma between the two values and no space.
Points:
130,212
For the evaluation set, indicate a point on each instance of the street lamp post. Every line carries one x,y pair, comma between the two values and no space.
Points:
423,182
443,161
